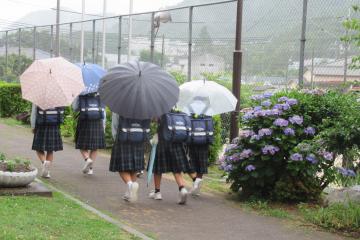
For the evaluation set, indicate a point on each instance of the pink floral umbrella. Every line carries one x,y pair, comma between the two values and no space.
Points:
52,82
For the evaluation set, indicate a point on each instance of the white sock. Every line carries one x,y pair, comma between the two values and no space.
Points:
129,183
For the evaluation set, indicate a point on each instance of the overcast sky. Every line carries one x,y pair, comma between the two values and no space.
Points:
12,10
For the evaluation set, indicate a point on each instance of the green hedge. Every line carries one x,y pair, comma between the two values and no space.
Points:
11,102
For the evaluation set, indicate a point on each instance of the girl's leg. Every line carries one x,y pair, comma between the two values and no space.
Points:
157,181
41,155
182,190
88,161
85,154
50,156
93,154
131,193
179,179
125,176
133,176
199,175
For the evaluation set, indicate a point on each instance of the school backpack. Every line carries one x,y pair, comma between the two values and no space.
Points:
176,127
133,130
90,107
202,130
53,116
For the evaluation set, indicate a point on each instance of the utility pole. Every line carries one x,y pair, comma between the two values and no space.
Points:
104,37
82,32
237,66
162,50
347,45
312,68
57,38
130,28
302,44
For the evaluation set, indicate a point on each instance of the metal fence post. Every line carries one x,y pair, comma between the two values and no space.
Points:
34,43
191,10
71,42
302,44
119,40
6,51
237,68
19,41
152,42
93,42
51,40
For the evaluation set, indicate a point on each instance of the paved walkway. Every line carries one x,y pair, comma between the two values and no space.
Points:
208,217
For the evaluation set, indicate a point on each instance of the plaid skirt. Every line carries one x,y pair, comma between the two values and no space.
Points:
171,157
47,138
90,135
127,157
199,158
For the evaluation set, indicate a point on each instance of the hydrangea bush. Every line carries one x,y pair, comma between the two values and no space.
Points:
278,154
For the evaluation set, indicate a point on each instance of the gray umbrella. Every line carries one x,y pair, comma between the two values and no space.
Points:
139,90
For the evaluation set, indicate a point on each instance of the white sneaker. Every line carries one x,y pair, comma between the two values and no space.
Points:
90,172
195,191
126,196
133,190
139,174
182,196
154,195
45,173
87,166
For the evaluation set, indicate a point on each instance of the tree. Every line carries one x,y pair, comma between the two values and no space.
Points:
15,67
145,56
353,25
204,43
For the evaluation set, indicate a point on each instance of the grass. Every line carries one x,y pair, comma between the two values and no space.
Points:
52,218
12,122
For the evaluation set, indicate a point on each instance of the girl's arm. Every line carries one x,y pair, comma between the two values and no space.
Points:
114,124
33,116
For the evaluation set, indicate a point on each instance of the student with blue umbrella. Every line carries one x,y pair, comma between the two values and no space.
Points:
90,130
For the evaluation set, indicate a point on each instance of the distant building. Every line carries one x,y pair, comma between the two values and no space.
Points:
331,73
28,52
207,63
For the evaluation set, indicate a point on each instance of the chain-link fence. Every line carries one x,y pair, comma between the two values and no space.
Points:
199,40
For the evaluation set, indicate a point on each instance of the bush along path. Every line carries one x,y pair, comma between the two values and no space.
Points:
206,217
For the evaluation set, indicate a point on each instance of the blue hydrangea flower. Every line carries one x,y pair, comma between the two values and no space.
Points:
250,168
328,155
246,153
292,101
296,157
296,119
346,172
309,131
265,132
289,132
270,149
231,147
311,158
282,106
255,137
266,103
280,122
257,97
246,133
283,99
257,108
268,95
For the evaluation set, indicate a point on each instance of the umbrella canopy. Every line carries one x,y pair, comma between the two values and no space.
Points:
139,90
205,97
91,73
53,82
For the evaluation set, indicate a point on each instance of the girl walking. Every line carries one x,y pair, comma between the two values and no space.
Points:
90,130
45,125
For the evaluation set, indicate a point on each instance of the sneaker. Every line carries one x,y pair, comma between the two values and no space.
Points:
154,195
195,191
182,196
90,172
87,166
133,190
126,196
45,173
139,174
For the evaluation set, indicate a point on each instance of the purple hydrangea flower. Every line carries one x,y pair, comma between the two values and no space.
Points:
266,103
311,158
289,132
270,149
231,147
255,137
296,119
228,168
328,155
276,112
281,122
292,101
250,168
346,172
257,97
249,115
296,157
246,153
257,108
282,106
265,132
283,99
246,133
309,131
268,95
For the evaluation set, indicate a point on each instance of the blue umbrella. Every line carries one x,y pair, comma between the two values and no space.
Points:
92,73
151,163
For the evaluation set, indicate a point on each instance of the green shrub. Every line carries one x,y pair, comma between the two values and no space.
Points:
2,156
280,154
11,102
216,147
337,216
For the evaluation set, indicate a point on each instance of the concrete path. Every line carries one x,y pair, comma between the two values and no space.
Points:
206,218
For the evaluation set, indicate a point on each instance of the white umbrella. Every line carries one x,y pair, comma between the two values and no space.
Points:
205,97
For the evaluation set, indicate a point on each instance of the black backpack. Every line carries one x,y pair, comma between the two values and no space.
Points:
90,107
202,130
133,130
176,127
53,116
